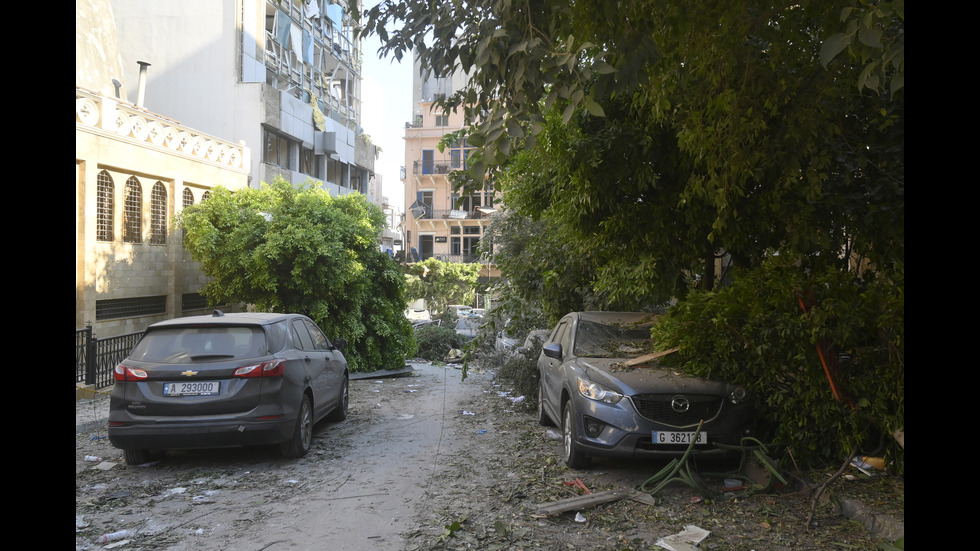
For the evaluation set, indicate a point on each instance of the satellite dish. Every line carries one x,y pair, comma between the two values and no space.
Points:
417,209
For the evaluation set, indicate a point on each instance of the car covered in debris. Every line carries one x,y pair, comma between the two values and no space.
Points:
468,328
227,380
612,395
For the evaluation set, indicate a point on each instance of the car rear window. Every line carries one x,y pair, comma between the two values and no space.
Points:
183,344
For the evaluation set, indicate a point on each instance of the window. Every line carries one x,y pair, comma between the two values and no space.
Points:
442,120
468,245
188,197
428,161
193,301
129,307
206,196
425,198
459,153
319,341
302,335
469,203
333,171
275,150
133,211
308,164
158,214
104,206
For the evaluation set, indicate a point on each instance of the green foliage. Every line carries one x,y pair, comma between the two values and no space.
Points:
636,143
873,35
441,283
521,370
755,333
435,341
301,250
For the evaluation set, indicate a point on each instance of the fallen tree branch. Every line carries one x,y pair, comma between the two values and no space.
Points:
822,487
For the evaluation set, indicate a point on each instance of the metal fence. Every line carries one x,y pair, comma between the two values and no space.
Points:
95,358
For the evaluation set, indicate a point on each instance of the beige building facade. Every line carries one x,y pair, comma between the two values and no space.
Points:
134,170
440,222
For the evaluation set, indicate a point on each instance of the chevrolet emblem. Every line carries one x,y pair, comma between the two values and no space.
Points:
189,373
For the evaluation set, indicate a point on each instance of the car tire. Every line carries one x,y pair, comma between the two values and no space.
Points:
340,412
543,418
573,457
140,456
299,443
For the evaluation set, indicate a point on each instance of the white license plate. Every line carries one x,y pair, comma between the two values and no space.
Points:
195,388
671,437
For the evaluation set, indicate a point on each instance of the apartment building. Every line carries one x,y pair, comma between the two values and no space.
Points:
134,170
439,222
283,76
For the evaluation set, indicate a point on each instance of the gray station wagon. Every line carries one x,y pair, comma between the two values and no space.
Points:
227,380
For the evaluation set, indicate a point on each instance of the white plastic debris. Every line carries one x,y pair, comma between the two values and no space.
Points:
685,540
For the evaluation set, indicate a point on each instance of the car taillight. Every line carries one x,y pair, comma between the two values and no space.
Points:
124,373
274,368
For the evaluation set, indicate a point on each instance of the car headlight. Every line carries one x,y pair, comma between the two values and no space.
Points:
596,392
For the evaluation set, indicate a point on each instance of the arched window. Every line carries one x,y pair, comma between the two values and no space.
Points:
188,197
206,196
158,214
104,205
133,211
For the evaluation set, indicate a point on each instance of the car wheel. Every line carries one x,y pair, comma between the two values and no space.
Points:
141,456
573,457
340,412
543,418
299,444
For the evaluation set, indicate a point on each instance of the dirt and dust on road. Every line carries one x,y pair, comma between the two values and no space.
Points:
424,461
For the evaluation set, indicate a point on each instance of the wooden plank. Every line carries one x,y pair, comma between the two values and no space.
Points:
648,357
581,502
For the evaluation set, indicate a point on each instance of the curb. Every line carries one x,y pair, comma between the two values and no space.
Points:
886,527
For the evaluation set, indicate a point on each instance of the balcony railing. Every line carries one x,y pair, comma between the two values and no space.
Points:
140,126
458,258
430,213
421,167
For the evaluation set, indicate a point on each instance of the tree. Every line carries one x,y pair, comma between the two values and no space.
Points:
652,136
441,283
280,248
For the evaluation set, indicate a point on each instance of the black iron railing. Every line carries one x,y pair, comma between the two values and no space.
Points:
95,358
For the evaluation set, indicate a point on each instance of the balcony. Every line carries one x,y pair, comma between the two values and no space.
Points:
327,63
457,258
420,167
451,214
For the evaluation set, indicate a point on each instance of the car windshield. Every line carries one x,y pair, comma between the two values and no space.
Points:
599,340
182,344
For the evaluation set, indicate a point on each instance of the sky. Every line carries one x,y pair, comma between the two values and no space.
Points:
386,105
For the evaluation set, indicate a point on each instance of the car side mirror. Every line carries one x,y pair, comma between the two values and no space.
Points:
552,350
340,344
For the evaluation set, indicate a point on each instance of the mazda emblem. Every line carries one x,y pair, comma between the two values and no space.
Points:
680,404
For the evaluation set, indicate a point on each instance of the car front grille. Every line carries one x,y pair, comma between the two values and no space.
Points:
658,408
